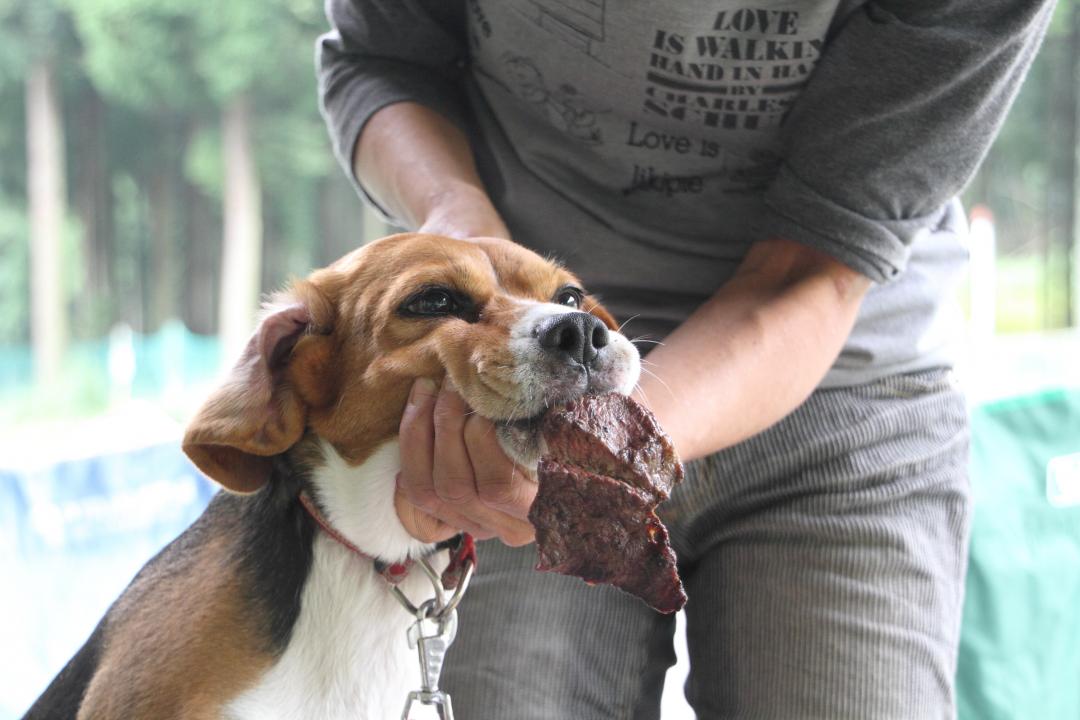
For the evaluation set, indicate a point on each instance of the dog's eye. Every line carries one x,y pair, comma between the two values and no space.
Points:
439,302
570,297
435,301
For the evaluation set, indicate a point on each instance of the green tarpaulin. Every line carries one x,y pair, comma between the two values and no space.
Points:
1020,643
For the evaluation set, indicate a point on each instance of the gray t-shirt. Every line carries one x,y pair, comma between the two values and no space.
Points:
647,144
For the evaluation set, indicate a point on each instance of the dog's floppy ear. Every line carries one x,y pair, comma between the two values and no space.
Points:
256,413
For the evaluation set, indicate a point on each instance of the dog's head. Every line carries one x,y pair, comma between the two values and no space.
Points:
336,354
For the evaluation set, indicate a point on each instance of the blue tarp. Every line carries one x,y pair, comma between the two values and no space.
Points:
71,538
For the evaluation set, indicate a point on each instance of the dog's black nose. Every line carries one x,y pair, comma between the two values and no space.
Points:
577,335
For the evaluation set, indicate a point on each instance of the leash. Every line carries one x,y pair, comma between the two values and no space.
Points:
436,619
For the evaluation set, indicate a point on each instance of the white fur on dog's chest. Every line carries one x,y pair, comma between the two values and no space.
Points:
348,657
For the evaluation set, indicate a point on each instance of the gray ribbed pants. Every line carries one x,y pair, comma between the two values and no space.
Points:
824,562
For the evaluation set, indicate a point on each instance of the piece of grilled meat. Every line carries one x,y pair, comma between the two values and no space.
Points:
606,466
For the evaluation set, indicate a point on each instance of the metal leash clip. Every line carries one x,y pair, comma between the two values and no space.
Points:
432,634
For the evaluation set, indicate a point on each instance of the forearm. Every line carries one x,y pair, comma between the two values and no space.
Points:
755,350
420,168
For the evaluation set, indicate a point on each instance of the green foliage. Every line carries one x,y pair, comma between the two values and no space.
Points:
178,53
41,23
14,273
239,43
1025,182
80,391
162,70
12,142
1059,23
202,160
1023,293
141,52
13,43
131,233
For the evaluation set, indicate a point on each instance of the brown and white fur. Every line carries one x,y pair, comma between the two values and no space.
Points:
254,612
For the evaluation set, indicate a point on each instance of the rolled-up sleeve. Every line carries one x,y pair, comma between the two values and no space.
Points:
895,120
380,52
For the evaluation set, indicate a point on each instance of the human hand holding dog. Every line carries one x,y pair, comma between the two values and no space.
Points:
454,474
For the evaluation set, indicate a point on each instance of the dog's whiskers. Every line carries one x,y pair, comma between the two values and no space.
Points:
645,339
644,394
659,380
628,321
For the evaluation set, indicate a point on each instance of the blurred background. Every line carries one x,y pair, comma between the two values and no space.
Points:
163,163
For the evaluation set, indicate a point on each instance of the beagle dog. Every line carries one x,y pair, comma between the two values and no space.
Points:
259,610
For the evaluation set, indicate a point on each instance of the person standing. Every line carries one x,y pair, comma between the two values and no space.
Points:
766,191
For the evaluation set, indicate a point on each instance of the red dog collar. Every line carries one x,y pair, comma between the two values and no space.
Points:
462,551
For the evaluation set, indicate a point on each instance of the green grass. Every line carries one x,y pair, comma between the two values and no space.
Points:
1031,295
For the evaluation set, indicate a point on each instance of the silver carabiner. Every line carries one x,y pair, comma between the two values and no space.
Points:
439,700
436,581
459,591
442,606
431,649
431,652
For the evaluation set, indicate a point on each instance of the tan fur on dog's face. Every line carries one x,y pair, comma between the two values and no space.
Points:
338,352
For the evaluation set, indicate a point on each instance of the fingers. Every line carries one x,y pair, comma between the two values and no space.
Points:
416,435
420,508
423,527
427,527
501,484
454,472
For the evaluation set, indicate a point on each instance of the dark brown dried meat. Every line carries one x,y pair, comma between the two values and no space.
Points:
613,435
607,466
603,531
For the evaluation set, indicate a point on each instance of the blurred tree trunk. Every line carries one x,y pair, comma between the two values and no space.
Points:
163,266
165,269
1072,229
242,208
202,263
93,203
47,199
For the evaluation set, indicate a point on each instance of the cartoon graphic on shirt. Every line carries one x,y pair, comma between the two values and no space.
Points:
564,107
579,23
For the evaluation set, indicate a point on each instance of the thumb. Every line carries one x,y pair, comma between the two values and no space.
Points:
423,527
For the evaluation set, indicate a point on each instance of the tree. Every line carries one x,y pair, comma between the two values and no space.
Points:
240,43
139,55
47,192
251,62
14,244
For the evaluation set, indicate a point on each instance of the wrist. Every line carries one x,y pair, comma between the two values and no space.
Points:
461,210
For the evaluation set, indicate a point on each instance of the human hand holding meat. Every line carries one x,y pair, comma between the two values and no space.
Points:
606,465
455,475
